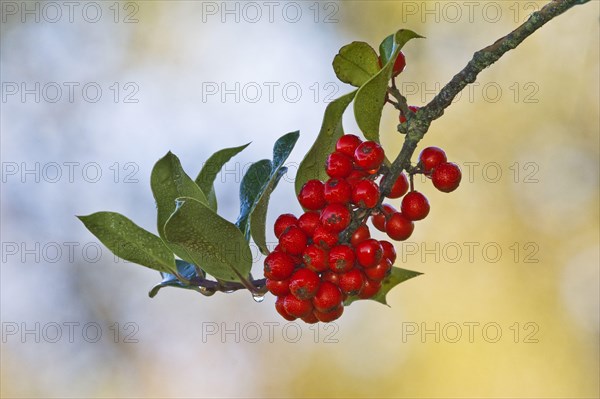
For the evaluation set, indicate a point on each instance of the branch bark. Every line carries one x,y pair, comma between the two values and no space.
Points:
418,125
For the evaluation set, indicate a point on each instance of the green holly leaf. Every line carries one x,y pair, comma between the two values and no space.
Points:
211,242
129,241
356,63
258,216
370,99
253,184
397,276
169,182
313,164
206,178
184,269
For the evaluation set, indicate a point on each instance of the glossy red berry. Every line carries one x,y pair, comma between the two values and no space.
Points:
331,276
413,109
341,258
347,144
361,234
365,194
337,191
399,64
304,283
356,176
379,272
293,241
278,266
311,195
316,258
308,222
283,222
328,297
399,188
352,281
431,157
389,251
369,253
398,227
335,217
338,165
369,156
329,316
379,219
324,237
279,306
415,206
446,177
297,307
369,289
311,318
278,288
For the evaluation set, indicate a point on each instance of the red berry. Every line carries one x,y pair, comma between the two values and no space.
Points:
365,194
329,316
324,237
431,157
278,288
337,191
297,307
361,234
311,318
369,253
446,177
331,276
399,64
308,222
389,252
379,219
347,144
328,297
415,206
399,188
304,283
352,281
369,155
335,217
338,165
281,310
356,176
279,266
293,241
413,109
341,258
369,289
398,227
283,222
316,258
379,272
311,195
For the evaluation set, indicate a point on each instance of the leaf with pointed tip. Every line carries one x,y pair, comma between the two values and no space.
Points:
397,276
253,184
356,63
258,215
187,270
313,164
169,182
211,242
258,218
206,178
129,241
370,99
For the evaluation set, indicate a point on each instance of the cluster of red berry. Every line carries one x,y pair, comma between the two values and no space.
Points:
311,271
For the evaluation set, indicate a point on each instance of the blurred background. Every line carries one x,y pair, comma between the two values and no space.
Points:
94,93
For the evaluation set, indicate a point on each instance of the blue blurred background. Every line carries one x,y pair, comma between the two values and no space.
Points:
93,93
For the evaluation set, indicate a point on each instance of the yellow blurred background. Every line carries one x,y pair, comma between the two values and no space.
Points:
508,305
